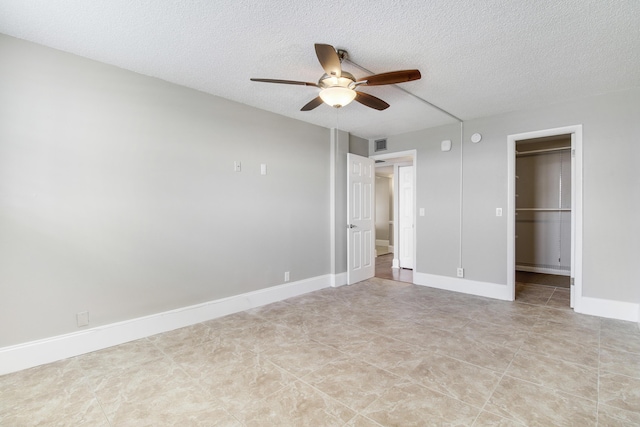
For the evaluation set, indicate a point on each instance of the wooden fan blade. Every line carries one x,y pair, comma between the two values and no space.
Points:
392,77
329,59
286,82
312,104
371,101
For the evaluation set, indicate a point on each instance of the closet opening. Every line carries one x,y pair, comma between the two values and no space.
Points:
543,220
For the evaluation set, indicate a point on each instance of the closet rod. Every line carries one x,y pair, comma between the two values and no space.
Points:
546,150
545,209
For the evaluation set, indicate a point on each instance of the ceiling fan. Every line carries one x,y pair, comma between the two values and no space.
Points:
338,88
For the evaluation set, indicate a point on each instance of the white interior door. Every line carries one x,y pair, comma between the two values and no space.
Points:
360,208
405,216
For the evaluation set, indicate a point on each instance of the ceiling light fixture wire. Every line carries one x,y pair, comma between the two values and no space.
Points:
346,58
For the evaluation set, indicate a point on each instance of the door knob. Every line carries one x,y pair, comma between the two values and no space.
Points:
351,226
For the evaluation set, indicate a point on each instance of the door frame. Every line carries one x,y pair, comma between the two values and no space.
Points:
414,156
576,207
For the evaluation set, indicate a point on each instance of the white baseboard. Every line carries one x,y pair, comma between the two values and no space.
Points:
382,242
27,355
542,270
608,308
483,289
592,306
339,279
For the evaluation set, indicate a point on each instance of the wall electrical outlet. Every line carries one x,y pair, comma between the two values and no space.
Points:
82,318
460,272
286,276
237,166
498,211
263,169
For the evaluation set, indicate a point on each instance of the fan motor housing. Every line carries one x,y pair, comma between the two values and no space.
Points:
345,80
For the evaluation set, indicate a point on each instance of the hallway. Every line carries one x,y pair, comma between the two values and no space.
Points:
384,270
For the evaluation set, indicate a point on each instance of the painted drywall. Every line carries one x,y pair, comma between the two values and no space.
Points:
611,200
437,186
359,146
118,195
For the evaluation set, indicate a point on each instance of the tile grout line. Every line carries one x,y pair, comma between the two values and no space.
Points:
402,379
529,332
550,296
220,403
95,396
497,385
335,400
503,375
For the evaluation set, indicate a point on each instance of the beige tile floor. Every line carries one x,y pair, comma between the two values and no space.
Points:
378,353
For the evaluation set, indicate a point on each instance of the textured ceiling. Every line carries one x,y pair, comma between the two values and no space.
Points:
477,58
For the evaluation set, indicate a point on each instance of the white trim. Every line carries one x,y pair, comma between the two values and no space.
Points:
483,289
591,306
34,353
339,279
576,212
332,198
382,242
609,308
543,270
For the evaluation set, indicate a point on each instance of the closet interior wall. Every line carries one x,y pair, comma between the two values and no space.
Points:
543,205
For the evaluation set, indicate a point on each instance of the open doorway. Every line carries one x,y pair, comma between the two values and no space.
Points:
544,246
395,216
543,221
384,210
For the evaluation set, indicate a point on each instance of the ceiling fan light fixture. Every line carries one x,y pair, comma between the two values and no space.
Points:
337,87
337,96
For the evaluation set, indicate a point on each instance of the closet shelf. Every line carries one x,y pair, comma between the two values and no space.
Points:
546,150
545,209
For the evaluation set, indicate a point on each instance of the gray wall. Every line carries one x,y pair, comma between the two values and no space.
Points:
118,196
611,195
358,146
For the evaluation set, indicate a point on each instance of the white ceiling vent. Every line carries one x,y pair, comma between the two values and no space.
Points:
381,145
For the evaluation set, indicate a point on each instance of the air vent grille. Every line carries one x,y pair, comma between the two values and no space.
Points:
380,144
